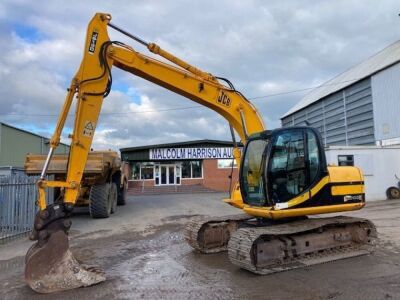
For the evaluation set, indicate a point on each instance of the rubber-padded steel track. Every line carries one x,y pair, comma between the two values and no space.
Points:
211,234
275,248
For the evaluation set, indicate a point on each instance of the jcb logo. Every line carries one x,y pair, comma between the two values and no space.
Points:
224,99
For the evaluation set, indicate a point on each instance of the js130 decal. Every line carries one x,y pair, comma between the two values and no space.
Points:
93,41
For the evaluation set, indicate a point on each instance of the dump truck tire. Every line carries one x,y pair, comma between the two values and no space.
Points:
113,197
99,200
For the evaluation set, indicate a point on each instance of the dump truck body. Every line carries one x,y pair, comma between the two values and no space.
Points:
101,167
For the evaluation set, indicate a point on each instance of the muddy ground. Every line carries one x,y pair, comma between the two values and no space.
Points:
144,254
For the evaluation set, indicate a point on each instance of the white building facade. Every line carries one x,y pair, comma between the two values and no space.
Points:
380,166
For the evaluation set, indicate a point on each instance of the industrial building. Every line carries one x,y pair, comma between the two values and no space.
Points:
357,114
15,143
202,163
358,107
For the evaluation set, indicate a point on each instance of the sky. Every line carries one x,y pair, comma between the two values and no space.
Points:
272,51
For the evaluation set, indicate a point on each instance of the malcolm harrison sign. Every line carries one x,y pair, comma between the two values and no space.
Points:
191,153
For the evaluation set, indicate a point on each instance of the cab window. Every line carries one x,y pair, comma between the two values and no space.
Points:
313,155
253,183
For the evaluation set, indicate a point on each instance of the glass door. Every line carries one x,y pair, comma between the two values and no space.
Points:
178,173
168,174
164,175
171,174
157,174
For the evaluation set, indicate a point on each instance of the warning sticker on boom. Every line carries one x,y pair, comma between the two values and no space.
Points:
88,130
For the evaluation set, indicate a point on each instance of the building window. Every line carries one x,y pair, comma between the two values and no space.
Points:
186,169
142,171
196,169
192,169
147,171
226,163
136,171
346,160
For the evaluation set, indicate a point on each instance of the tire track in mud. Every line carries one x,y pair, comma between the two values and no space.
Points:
158,267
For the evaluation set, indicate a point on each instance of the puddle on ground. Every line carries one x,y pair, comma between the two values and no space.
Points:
12,264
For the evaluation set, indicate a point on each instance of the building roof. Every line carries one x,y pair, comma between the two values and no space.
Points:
178,144
29,132
379,61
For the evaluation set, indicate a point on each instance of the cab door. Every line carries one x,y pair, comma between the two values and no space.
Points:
296,162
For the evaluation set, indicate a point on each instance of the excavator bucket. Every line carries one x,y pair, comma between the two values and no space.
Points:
49,264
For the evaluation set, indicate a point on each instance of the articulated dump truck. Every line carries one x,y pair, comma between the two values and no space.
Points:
103,186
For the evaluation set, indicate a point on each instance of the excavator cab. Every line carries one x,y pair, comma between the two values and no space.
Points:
284,179
280,165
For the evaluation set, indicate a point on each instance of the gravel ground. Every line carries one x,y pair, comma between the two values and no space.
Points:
144,254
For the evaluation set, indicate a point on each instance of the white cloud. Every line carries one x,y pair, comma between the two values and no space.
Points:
262,47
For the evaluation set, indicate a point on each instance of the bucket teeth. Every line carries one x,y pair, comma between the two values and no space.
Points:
49,264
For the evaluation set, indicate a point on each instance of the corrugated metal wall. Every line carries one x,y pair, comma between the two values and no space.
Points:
15,144
343,118
386,95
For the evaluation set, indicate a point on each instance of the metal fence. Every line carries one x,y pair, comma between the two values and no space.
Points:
17,204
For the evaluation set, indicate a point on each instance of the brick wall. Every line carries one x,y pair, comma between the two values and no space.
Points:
138,183
191,181
217,179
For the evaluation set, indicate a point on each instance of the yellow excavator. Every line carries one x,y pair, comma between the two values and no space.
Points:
283,177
